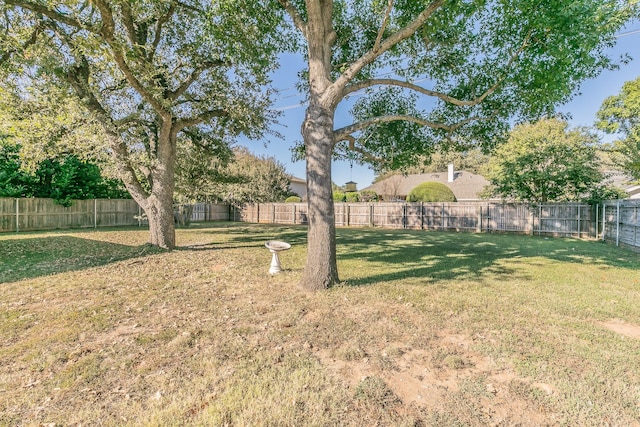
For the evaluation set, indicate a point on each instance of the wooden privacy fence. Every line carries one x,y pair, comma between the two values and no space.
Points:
621,222
30,214
561,219
617,221
44,214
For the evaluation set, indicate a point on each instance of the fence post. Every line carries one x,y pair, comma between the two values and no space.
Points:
95,213
371,215
17,215
540,220
604,219
479,226
294,212
347,210
421,215
618,223
596,223
578,220
442,218
404,216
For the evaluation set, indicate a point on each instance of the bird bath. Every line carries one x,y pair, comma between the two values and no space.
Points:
274,247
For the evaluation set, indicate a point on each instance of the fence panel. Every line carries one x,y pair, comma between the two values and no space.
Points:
7,214
360,214
388,215
211,212
621,222
27,214
561,219
116,212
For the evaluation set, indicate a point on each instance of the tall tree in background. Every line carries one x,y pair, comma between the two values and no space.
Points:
620,114
235,177
147,72
545,162
455,72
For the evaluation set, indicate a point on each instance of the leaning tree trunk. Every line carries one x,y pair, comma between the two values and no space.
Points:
159,204
321,270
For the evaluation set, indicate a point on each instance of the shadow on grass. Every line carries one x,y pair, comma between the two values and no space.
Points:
34,257
428,256
238,235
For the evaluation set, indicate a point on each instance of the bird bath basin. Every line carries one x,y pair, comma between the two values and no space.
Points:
274,247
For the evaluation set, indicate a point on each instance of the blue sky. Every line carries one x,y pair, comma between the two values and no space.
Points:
582,108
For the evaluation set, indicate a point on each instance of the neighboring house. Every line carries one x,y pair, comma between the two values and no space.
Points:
624,182
299,186
465,185
634,192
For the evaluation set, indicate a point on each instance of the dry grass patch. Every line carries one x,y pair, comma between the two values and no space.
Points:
428,329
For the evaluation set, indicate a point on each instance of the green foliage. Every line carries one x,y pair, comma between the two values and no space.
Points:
545,162
431,192
232,176
63,179
520,63
368,196
620,115
352,197
600,193
293,199
149,73
339,196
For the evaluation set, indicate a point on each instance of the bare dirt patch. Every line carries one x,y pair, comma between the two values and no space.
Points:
437,379
621,327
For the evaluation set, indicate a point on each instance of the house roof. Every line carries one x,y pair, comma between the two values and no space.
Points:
295,179
465,186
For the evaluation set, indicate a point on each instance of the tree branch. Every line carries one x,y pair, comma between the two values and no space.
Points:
379,49
343,134
78,77
158,31
107,32
368,156
200,118
385,22
129,24
55,15
295,15
33,38
394,82
184,86
449,99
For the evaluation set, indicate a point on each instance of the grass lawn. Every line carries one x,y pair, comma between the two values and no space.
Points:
427,329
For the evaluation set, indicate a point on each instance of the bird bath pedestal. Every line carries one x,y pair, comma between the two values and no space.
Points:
274,247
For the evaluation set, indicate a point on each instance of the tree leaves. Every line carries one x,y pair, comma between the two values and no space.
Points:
620,114
545,162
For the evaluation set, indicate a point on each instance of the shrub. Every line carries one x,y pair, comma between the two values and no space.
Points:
293,199
368,196
339,196
431,192
352,197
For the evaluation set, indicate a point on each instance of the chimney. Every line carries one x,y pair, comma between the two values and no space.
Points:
451,175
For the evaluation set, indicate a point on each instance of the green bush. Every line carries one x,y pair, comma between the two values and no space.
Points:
368,196
352,197
293,199
431,192
339,196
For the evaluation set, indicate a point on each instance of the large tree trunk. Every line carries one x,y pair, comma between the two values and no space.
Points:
162,231
321,270
158,203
